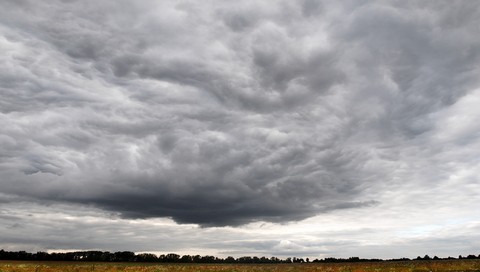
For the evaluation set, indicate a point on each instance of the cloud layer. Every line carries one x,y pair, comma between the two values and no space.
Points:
222,113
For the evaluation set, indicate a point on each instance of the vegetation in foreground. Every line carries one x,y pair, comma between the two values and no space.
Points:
399,266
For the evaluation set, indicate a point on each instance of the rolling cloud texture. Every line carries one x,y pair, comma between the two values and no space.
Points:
224,113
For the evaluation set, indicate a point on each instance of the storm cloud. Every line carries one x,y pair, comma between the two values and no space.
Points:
222,113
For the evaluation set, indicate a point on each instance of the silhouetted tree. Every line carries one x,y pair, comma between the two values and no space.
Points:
128,256
229,259
146,257
124,256
186,259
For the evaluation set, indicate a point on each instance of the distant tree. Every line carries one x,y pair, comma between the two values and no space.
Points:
230,259
146,257
400,259
107,256
207,259
264,259
93,256
123,256
274,260
196,258
186,259
245,259
171,258
42,256
128,256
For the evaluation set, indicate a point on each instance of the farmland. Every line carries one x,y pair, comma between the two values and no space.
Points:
401,266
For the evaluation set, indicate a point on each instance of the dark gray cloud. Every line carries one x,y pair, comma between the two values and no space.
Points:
222,113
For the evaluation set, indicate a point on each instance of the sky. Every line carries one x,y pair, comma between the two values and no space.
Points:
241,128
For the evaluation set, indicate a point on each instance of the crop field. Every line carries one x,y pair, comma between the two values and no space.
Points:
403,266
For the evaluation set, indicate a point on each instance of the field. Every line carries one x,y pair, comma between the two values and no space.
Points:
404,266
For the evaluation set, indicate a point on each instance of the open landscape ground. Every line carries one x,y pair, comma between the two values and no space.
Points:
403,266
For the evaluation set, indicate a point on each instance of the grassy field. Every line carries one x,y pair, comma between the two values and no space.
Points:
404,266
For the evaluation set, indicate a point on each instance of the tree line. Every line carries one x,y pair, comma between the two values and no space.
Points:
128,256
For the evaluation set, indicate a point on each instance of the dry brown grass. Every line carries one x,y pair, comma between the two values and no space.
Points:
408,266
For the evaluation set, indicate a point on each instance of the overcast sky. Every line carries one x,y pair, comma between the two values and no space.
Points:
270,128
